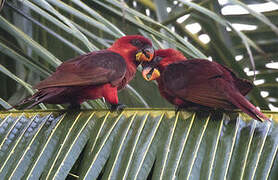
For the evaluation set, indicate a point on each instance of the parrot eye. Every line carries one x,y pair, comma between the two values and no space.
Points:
136,42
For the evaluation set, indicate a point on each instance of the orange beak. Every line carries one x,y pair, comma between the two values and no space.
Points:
150,73
145,54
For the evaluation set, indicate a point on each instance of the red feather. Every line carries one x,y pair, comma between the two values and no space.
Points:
93,75
202,83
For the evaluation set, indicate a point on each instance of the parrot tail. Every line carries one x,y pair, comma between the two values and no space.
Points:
43,95
35,99
242,103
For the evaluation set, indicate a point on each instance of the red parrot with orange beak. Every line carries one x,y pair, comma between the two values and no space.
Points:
199,83
94,75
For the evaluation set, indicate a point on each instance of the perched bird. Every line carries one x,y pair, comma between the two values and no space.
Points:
198,83
94,75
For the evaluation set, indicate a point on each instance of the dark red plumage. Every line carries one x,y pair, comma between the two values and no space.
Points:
200,83
94,75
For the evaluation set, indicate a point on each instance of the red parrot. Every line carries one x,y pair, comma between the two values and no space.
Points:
94,75
199,83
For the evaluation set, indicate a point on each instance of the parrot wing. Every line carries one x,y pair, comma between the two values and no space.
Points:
90,69
199,81
244,86
209,84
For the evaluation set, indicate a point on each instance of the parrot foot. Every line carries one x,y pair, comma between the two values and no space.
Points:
186,108
177,109
74,106
117,107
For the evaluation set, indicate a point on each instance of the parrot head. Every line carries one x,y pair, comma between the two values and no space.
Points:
163,57
141,46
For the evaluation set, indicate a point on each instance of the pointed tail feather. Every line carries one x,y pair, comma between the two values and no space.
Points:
241,102
35,99
21,103
48,95
39,99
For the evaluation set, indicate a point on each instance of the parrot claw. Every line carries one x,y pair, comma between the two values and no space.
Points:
117,107
177,109
74,107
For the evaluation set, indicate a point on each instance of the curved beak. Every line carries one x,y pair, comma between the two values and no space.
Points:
145,54
150,73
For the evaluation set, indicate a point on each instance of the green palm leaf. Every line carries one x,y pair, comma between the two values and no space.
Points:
36,36
136,144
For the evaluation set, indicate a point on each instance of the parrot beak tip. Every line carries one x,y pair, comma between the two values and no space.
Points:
145,55
150,73
145,73
139,56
